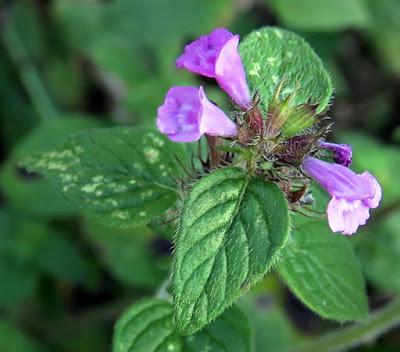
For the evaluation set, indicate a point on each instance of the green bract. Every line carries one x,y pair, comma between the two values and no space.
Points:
272,57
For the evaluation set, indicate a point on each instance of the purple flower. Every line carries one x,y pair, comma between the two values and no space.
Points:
342,152
352,194
187,114
216,56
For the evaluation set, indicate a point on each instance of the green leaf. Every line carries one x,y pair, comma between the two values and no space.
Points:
271,326
60,257
14,340
153,22
31,194
232,228
121,250
119,176
321,269
314,15
230,332
19,242
378,248
147,327
384,31
18,282
273,56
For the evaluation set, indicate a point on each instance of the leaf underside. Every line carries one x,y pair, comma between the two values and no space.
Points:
231,230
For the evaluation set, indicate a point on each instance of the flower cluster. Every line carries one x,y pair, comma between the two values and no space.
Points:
187,114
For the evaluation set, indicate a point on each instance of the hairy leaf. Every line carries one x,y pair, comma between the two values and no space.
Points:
120,176
273,57
321,269
231,230
30,193
147,327
231,332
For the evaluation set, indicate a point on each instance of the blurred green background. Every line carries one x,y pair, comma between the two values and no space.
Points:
68,65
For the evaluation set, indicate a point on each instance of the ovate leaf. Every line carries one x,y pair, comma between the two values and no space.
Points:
119,176
321,269
147,327
232,228
230,332
378,248
124,249
13,339
274,57
30,193
314,15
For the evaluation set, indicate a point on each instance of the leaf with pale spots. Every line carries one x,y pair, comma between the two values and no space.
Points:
148,327
232,229
119,176
322,270
273,57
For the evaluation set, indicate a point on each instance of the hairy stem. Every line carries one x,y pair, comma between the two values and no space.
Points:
345,338
214,153
26,69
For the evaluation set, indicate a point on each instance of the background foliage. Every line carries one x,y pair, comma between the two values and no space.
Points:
70,65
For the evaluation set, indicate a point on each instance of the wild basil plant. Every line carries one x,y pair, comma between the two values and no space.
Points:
241,187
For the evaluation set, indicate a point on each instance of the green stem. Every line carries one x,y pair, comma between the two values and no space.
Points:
345,338
27,71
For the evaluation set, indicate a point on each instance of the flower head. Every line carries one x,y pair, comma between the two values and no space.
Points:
352,194
342,152
216,56
187,114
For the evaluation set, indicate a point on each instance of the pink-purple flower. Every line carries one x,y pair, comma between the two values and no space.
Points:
352,194
187,114
216,56
342,153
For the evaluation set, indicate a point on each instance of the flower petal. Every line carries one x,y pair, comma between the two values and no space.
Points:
178,116
213,120
230,74
376,193
346,216
187,114
200,56
339,180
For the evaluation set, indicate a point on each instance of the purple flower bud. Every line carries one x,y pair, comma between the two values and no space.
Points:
342,152
216,56
187,114
352,194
